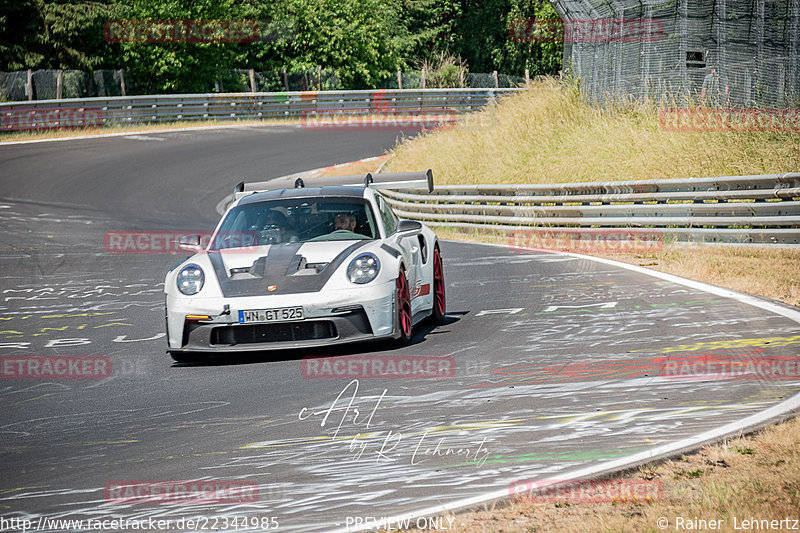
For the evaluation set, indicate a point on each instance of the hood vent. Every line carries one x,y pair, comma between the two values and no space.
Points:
298,266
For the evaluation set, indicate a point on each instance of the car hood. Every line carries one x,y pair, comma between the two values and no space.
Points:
279,268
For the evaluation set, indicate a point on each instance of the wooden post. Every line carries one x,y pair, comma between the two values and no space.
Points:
285,80
496,82
30,85
122,81
399,80
423,77
252,81
319,78
59,84
527,77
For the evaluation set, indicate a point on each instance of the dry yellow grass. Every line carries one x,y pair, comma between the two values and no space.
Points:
548,135
770,272
744,478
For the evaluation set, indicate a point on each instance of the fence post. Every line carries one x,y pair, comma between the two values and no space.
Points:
527,77
319,78
496,83
423,77
461,77
30,85
285,80
122,81
59,84
399,80
252,81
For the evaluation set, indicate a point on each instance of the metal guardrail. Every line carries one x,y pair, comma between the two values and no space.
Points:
42,114
737,209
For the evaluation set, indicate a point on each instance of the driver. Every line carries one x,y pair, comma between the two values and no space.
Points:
344,225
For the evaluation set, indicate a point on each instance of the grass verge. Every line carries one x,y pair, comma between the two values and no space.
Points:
548,134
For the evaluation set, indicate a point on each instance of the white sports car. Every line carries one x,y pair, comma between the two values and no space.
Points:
294,267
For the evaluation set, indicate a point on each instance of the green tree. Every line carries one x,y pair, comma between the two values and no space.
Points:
169,67
489,43
72,34
20,28
356,38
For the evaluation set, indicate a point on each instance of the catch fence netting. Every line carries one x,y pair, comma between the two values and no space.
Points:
14,86
741,53
43,84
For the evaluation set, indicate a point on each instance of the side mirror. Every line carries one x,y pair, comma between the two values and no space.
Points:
408,228
190,243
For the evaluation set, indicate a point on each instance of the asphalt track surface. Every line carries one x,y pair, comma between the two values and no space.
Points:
561,363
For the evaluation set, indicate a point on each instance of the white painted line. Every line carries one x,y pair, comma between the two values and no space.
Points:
144,138
782,408
139,132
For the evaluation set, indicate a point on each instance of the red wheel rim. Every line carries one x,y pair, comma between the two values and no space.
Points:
405,305
438,282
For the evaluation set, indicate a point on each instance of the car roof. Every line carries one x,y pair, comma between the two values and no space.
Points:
304,192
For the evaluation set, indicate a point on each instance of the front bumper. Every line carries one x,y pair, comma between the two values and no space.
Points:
331,317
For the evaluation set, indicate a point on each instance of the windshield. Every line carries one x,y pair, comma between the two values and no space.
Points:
296,220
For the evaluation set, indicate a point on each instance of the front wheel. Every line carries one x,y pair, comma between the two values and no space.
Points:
403,315
439,306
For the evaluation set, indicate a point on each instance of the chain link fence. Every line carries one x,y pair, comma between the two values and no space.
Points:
44,84
467,80
717,52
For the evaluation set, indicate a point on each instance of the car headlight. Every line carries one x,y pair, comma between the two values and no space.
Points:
190,279
363,269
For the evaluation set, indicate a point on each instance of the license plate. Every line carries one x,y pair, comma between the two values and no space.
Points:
283,314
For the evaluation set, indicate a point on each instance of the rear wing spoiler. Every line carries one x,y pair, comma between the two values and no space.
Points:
392,180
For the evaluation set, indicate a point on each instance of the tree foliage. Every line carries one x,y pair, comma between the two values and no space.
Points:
364,41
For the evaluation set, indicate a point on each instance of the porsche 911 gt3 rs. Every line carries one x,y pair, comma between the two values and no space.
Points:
295,266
